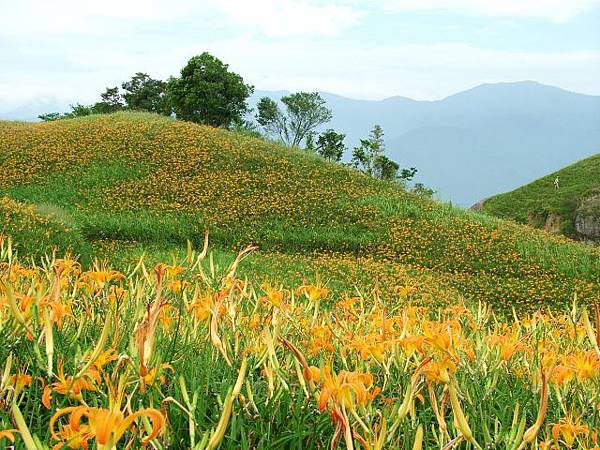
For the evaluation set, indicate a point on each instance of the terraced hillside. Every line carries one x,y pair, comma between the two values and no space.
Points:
125,184
572,209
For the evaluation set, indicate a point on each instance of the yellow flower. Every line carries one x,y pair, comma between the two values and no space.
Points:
346,389
312,292
105,426
8,434
585,365
439,372
568,429
272,296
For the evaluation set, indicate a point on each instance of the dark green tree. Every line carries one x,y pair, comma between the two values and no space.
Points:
407,174
309,144
369,157
143,93
423,191
112,101
207,92
304,111
369,150
78,110
330,145
385,169
50,117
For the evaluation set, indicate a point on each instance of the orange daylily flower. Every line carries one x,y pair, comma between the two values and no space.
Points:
585,365
105,426
97,279
8,434
346,389
439,372
568,429
320,339
312,292
272,296
66,385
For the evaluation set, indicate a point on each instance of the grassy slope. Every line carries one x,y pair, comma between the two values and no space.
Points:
40,229
134,181
541,198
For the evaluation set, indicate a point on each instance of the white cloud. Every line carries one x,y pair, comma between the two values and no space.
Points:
74,49
291,17
417,71
555,10
270,17
69,17
360,71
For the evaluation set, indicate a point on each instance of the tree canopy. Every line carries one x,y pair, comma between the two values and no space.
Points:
143,93
330,145
304,111
369,157
207,92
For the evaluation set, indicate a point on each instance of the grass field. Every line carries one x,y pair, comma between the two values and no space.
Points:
364,316
539,199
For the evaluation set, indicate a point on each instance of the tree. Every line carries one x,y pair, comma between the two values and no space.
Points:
367,153
50,117
330,145
423,191
207,92
408,174
77,110
385,169
369,157
304,111
112,101
143,93
309,144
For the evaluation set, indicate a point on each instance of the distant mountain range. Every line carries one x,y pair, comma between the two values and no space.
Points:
29,111
468,146
480,142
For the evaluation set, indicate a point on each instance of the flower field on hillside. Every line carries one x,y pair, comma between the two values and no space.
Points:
191,355
150,180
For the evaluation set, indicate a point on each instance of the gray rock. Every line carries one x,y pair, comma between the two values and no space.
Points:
587,217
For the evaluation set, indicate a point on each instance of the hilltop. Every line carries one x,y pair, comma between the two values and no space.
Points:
572,209
470,145
129,183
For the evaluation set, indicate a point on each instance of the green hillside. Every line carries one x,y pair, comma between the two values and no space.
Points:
130,183
543,205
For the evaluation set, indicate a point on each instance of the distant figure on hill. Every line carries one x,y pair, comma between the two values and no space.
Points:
556,183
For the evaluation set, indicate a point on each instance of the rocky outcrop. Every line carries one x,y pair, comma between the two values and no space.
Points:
553,223
587,218
478,207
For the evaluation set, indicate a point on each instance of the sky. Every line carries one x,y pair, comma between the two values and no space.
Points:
368,49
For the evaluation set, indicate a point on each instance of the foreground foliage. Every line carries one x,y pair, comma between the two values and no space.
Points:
188,355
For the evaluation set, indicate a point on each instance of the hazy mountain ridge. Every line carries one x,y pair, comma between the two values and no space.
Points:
479,142
30,110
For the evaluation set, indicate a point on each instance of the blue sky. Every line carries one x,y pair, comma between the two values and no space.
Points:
372,49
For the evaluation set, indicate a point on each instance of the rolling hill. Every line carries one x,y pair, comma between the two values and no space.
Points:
129,183
573,208
480,142
471,145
